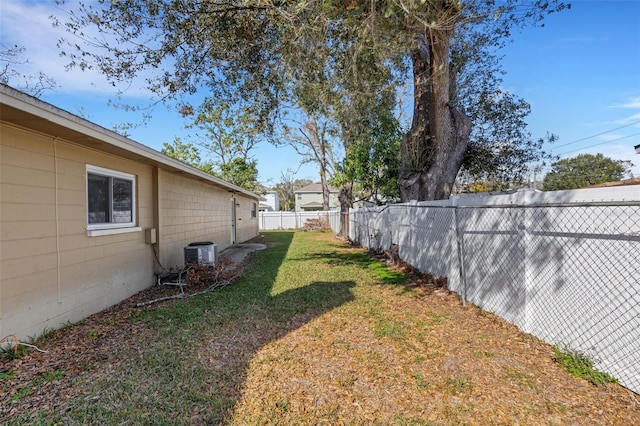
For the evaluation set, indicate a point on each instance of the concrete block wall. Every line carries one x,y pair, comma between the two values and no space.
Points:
191,211
246,222
54,267
195,210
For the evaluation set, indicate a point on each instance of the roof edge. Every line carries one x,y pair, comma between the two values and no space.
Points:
27,103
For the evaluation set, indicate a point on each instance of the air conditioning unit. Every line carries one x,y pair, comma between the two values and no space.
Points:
204,253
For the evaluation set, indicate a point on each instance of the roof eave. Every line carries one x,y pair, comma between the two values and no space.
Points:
23,110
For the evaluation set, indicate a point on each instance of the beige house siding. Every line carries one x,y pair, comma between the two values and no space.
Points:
246,224
194,211
51,272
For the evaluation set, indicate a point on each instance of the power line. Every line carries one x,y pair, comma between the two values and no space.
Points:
598,134
601,143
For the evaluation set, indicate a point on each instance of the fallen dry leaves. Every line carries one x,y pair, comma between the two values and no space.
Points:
458,365
396,354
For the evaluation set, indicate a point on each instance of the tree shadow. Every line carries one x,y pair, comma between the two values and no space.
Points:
362,259
211,339
228,351
561,270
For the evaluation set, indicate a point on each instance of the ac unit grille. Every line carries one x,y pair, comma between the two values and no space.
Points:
200,253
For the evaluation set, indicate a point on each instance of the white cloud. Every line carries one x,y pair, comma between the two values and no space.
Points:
633,103
635,118
29,25
611,136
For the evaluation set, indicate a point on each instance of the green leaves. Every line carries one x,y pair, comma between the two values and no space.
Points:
344,61
584,170
241,172
187,153
580,364
373,161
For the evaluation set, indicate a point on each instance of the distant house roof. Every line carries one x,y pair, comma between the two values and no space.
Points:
21,109
625,182
315,188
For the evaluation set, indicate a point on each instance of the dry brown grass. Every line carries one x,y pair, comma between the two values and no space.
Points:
389,353
441,363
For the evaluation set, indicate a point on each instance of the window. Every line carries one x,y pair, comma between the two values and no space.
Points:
254,208
111,197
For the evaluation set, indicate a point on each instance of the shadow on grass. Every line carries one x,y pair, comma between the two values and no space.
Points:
361,259
195,371
231,348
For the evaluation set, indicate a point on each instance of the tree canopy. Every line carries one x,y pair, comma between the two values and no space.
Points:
239,171
346,60
223,131
373,163
187,153
584,170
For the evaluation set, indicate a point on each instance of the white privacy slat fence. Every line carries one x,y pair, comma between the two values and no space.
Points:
296,220
563,266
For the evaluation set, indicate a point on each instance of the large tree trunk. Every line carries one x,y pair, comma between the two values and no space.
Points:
346,203
416,144
325,187
434,147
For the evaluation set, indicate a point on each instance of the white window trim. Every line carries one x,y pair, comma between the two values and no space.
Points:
97,229
99,232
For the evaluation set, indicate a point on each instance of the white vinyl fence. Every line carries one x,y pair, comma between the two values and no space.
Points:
296,220
563,266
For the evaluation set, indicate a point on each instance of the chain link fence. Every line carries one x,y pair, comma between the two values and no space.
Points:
567,272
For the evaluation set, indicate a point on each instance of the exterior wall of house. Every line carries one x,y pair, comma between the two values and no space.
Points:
273,200
303,198
55,268
193,210
246,218
51,271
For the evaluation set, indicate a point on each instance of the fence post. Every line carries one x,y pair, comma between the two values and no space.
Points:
352,225
412,241
527,220
460,246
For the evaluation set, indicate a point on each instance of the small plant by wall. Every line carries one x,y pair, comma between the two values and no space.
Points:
580,364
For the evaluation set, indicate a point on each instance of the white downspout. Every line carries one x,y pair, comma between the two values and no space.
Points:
55,170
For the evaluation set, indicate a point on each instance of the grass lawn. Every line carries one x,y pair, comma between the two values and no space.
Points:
313,332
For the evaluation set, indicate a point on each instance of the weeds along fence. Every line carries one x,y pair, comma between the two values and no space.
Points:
563,266
296,220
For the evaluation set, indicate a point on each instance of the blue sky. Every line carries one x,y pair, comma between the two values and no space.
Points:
580,73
